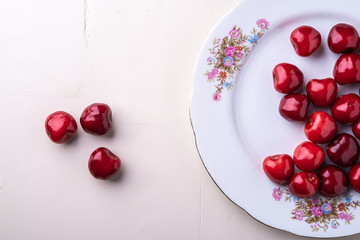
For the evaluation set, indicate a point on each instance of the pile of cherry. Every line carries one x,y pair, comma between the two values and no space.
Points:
96,119
321,128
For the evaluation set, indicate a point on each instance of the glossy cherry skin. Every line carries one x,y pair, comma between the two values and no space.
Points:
346,109
60,126
343,150
356,129
287,78
304,184
334,181
305,40
96,119
308,156
347,69
320,127
279,168
354,177
343,38
322,92
294,106
103,164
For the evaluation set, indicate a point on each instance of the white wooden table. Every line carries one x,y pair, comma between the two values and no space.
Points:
138,57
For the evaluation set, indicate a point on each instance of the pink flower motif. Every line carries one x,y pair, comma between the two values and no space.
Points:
230,51
262,23
348,217
234,33
239,55
215,71
210,59
211,75
342,215
299,215
277,194
316,211
217,96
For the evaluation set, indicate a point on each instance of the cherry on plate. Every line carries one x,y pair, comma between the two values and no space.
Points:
346,109
60,126
320,127
279,168
322,92
305,40
334,181
308,156
356,129
96,119
103,164
304,184
343,150
343,38
287,78
294,106
354,177
347,69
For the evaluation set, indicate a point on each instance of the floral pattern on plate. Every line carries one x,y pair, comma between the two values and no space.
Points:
320,213
228,55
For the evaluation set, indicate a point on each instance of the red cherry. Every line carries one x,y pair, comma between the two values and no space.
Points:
347,69
279,168
346,109
354,177
356,129
304,184
305,40
287,78
322,92
343,38
334,181
320,127
96,119
343,150
103,164
60,126
294,106
308,156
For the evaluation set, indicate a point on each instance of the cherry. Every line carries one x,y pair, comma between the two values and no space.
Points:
347,69
279,168
354,177
294,106
287,78
320,127
96,119
334,181
346,109
322,92
60,126
356,129
343,38
103,164
343,150
305,40
304,184
308,156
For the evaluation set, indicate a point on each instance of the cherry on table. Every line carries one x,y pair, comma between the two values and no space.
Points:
103,164
96,119
60,126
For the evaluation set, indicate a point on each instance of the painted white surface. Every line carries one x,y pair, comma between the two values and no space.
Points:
138,57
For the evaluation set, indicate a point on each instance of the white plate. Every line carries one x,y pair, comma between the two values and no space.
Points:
234,111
